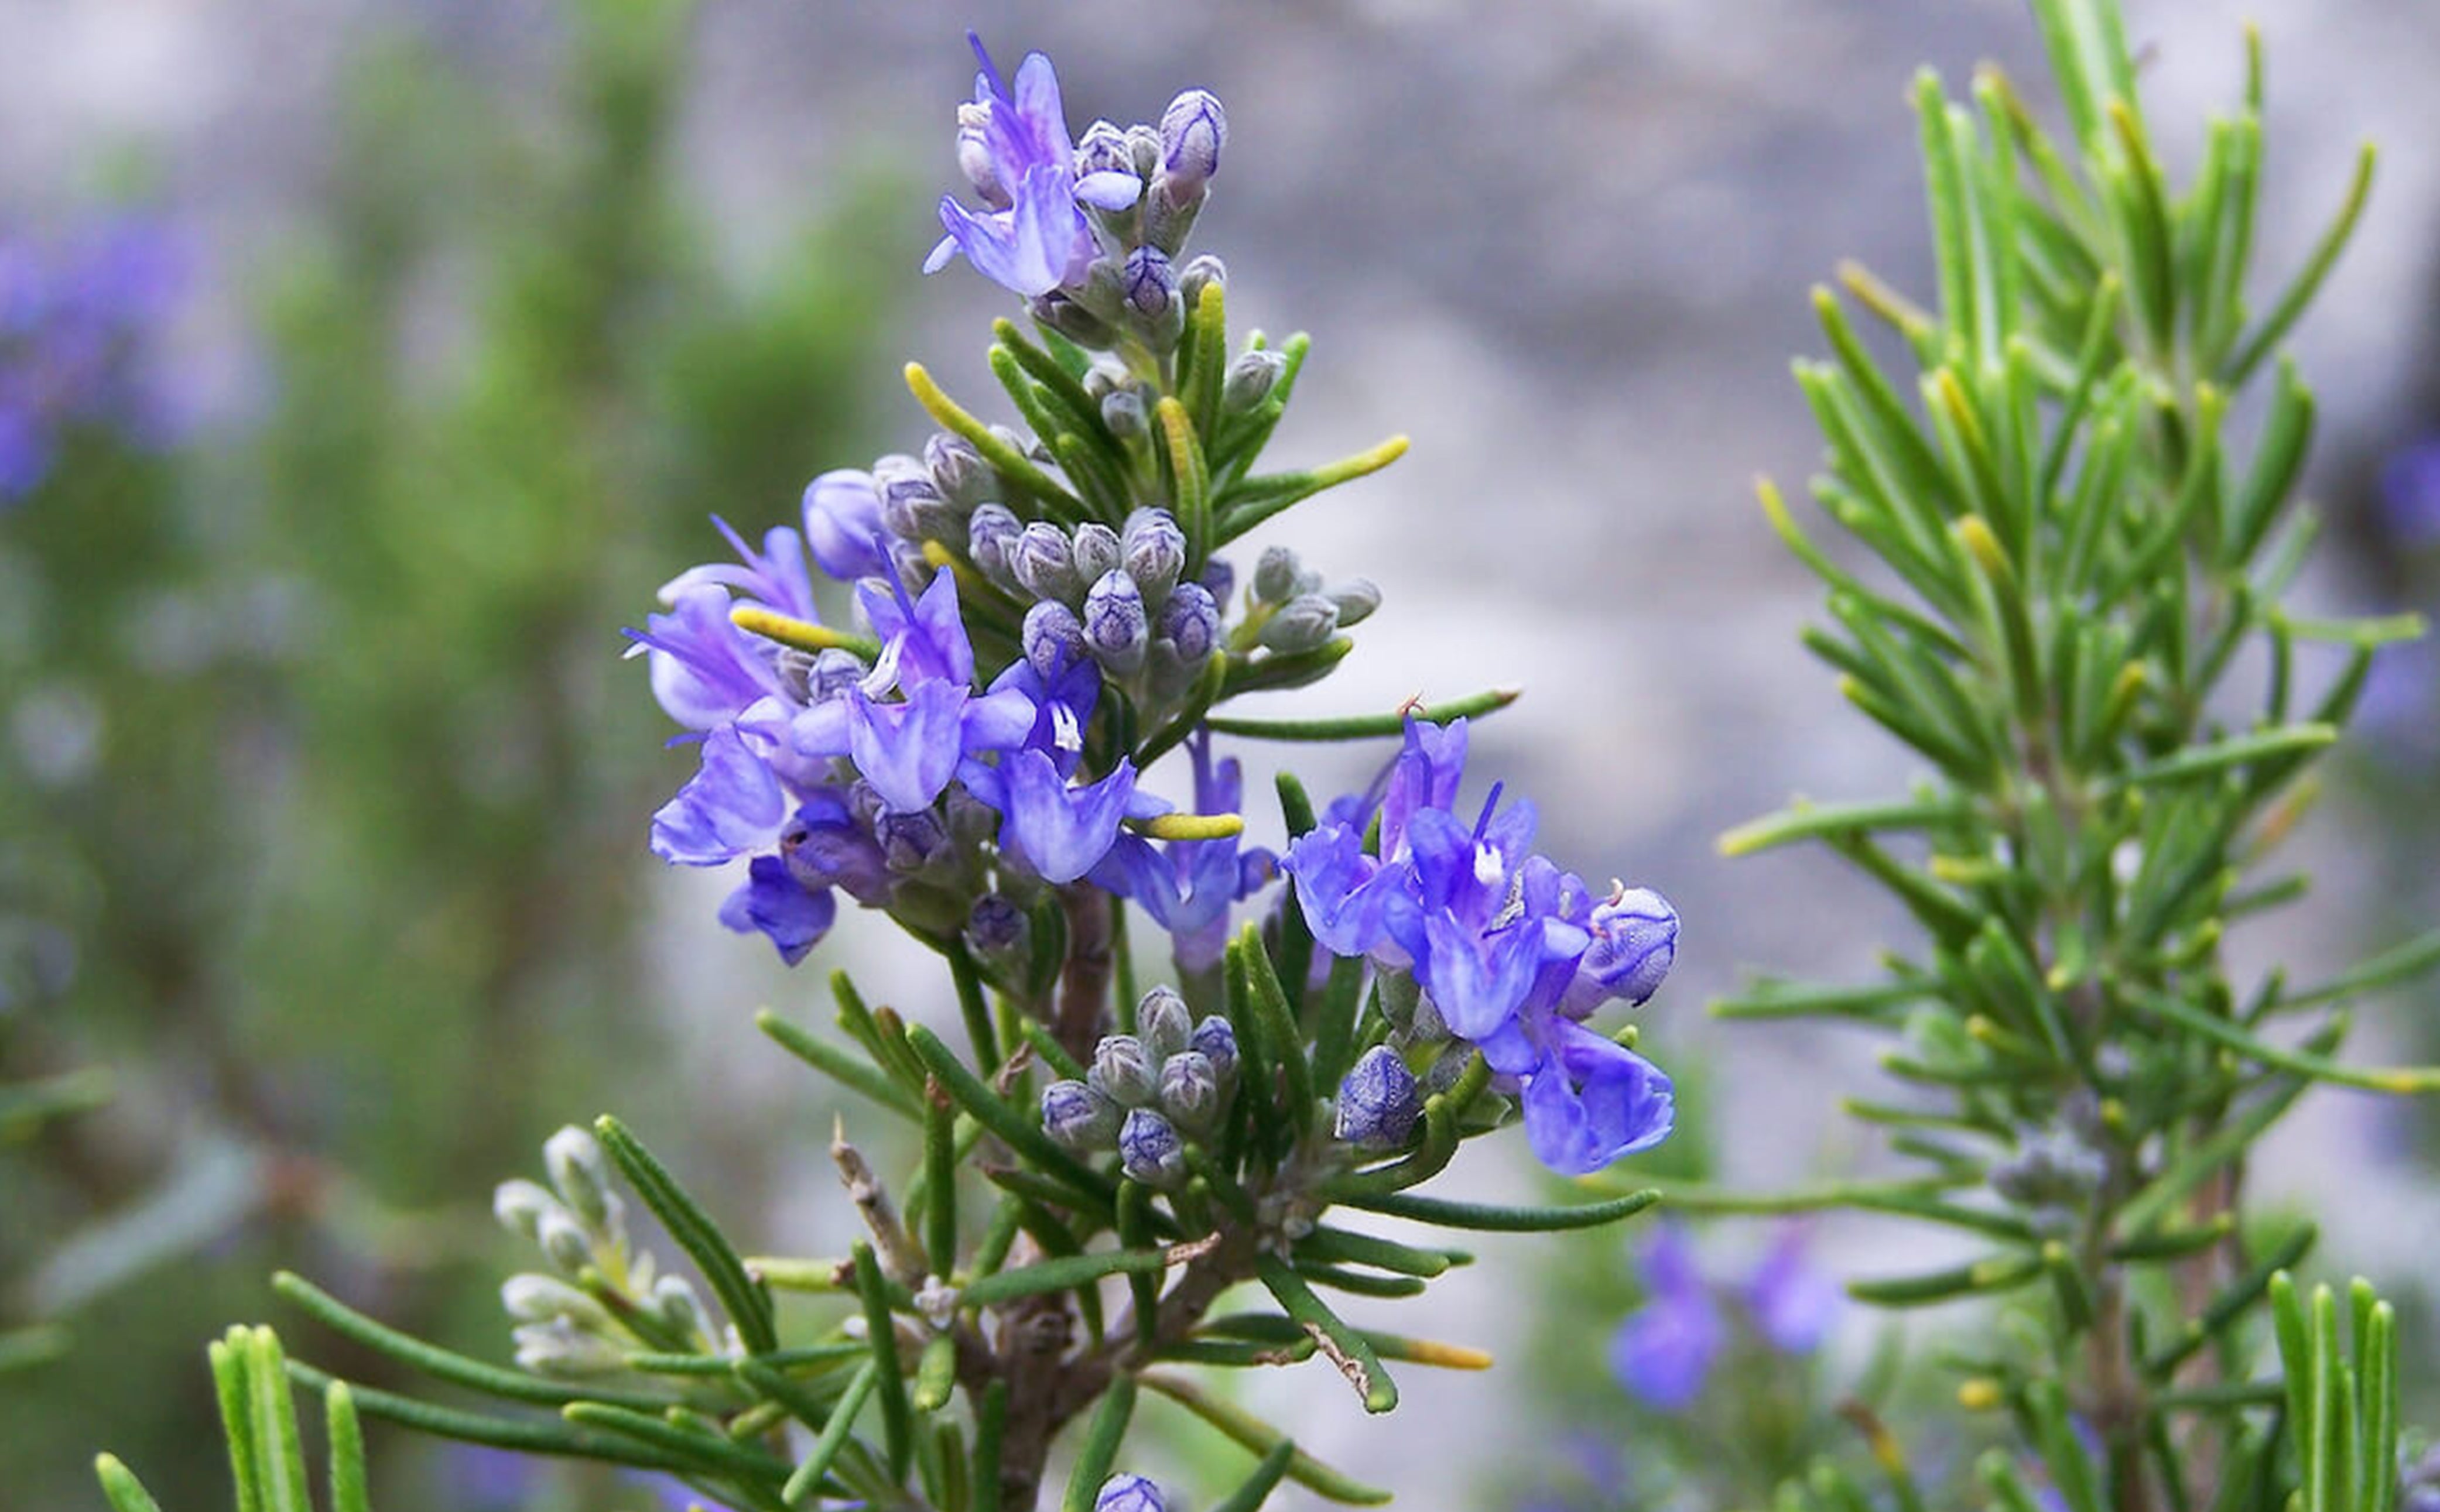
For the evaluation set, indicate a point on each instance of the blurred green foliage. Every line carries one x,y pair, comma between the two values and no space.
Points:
352,864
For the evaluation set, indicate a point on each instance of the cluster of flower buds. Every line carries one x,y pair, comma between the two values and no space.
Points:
604,1298
1108,596
1148,1093
1294,611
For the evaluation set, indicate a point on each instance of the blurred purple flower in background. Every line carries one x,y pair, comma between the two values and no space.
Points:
1663,1353
2409,493
78,315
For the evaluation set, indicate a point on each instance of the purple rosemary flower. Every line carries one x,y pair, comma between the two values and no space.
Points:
1663,1353
79,317
1031,236
1794,1302
2409,493
1061,831
1188,886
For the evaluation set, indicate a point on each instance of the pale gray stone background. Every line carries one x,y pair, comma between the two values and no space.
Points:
1565,246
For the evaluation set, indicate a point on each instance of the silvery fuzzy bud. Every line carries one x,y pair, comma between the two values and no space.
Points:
1079,1116
558,1347
1276,572
833,672
582,1173
1190,621
1354,599
1150,1151
1301,624
1096,549
680,1308
1144,150
912,505
1216,1042
531,1298
1053,637
1129,1493
1114,623
564,1241
992,532
1020,443
996,930
1045,562
1199,272
1123,413
1149,283
1163,1023
1073,321
1190,1091
1153,549
910,842
1378,1102
958,471
1103,149
1105,377
521,1206
1122,1071
1251,377
1193,130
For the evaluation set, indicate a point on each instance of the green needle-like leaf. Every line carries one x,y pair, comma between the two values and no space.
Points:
1347,1348
748,1305
1099,1450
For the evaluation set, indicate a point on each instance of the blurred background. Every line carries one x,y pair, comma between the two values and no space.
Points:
364,366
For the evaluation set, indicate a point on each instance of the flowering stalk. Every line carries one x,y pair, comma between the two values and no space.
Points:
1044,618
2076,550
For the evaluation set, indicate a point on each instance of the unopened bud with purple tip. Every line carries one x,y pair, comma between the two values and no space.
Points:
1122,1072
1150,1149
1079,1116
1190,1091
1096,550
1163,1023
1149,283
1302,624
842,517
1115,624
1216,1042
1153,549
1378,1102
1045,562
1103,149
832,674
959,471
1192,131
1634,943
1190,622
1129,1493
910,842
992,532
1054,638
996,930
1251,378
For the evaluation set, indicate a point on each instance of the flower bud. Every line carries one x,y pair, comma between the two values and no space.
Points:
842,517
1150,1151
1378,1102
1122,1071
1123,413
1129,1493
1216,1042
1251,378
1301,624
1114,623
531,1298
582,1173
1190,1091
1045,562
1103,149
1163,1023
1149,283
1153,549
958,471
558,1347
1096,550
564,1241
1635,941
1354,599
1053,637
910,842
1193,130
992,532
1199,270
1190,621
521,1206
1144,150
1219,579
1079,1116
1275,573
680,1308
998,930
832,674
1105,377
1073,321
